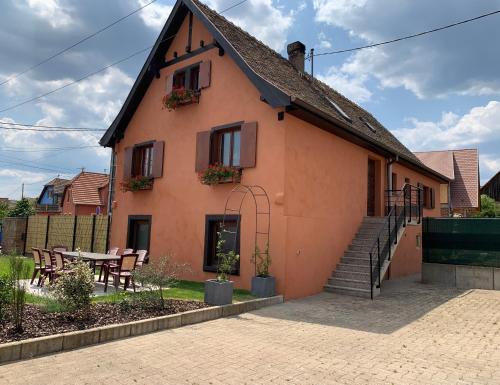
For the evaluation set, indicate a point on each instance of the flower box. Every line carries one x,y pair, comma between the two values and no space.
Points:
137,183
217,174
180,97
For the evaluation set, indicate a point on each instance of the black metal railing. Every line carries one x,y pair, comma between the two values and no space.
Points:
401,207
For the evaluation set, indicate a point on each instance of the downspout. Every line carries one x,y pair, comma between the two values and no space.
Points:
111,190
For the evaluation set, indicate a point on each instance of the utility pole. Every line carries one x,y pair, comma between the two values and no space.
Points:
22,191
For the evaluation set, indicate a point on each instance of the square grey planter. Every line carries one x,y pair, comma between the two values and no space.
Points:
218,293
263,286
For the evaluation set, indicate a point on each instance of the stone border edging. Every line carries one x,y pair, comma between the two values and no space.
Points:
35,347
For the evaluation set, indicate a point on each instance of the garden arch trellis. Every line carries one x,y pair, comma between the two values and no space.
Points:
234,203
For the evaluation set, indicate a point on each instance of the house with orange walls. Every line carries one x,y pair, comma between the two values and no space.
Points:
210,96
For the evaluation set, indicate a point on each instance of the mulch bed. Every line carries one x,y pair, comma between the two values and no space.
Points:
38,323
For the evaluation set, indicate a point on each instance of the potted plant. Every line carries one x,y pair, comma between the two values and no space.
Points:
179,97
263,284
217,173
137,183
219,291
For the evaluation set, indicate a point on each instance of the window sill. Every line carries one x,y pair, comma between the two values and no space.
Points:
183,100
236,178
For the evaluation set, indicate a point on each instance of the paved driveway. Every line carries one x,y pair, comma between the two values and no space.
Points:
412,334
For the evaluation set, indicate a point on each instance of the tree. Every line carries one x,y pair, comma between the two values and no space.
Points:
4,209
489,208
23,208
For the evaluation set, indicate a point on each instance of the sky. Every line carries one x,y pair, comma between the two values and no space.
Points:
435,92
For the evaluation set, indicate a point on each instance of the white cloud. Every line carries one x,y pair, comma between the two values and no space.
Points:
261,19
479,126
324,43
51,11
154,15
351,86
456,61
491,163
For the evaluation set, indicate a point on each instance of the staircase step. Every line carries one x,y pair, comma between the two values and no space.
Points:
343,282
360,254
355,261
373,219
352,275
362,268
347,291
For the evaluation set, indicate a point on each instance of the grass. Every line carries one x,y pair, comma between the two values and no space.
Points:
186,290
4,266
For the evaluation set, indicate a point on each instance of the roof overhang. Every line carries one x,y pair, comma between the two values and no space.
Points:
270,93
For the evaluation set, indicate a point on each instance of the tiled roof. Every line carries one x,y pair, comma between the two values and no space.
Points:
462,167
85,188
278,71
465,187
59,184
441,161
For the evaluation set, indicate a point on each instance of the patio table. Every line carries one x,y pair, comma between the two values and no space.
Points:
91,257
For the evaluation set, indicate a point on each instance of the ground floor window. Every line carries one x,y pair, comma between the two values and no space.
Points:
213,227
139,232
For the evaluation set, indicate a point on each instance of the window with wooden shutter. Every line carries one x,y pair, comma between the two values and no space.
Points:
204,74
158,159
202,151
169,84
142,160
127,162
432,198
248,151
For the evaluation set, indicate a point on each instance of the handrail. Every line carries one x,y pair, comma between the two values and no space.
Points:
404,193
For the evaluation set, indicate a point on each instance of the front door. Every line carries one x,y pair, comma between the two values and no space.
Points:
370,207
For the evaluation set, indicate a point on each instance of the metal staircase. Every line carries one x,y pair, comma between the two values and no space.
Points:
366,260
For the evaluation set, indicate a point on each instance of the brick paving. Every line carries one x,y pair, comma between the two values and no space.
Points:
411,334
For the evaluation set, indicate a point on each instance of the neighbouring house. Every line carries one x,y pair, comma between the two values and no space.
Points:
492,187
460,196
50,200
86,194
210,94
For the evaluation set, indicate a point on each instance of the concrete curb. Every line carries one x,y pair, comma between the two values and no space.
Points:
35,347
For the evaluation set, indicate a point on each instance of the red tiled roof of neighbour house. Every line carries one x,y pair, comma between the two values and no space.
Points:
441,161
465,187
85,188
462,168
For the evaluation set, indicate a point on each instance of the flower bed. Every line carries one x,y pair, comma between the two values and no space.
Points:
216,174
39,322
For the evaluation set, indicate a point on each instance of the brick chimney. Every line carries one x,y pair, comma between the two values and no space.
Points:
296,55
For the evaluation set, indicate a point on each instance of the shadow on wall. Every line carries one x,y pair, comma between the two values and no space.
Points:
401,302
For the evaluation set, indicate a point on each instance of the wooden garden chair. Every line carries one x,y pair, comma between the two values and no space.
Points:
39,266
49,269
141,257
104,265
60,266
124,269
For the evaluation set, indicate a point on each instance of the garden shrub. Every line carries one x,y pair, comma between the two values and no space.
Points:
18,271
73,290
4,297
157,276
227,260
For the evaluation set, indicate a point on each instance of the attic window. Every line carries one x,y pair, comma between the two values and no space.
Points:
367,124
339,110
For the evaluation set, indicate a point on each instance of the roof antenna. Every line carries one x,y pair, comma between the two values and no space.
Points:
311,55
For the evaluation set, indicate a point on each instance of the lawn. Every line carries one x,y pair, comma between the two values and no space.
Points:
187,290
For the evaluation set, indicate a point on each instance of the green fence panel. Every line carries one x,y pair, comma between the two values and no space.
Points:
462,241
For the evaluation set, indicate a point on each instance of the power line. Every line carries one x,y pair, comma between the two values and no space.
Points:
77,43
102,69
50,130
407,37
43,126
35,167
36,160
47,149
